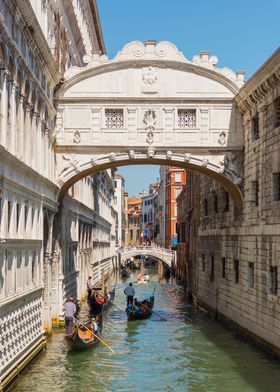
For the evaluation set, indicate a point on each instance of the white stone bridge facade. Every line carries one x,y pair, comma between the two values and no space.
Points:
166,256
150,105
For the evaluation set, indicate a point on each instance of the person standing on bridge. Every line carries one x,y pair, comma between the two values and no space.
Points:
129,292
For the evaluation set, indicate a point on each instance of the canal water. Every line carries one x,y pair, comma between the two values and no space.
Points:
189,352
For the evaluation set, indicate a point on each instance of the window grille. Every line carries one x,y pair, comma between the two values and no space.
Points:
273,284
255,127
277,112
236,270
255,192
250,275
114,118
205,207
223,267
276,186
215,204
212,270
203,262
226,201
186,118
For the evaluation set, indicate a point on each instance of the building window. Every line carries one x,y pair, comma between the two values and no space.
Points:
114,118
212,268
9,214
187,118
277,112
272,280
203,262
250,275
178,177
236,270
223,267
255,127
183,233
131,234
276,186
18,214
145,218
205,207
255,192
226,201
215,204
115,184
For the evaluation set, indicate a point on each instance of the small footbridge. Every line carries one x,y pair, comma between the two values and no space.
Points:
166,256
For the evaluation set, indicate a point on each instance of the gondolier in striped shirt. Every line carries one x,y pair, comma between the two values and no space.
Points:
129,292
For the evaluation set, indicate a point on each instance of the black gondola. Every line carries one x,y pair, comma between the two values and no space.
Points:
82,337
124,273
98,306
141,310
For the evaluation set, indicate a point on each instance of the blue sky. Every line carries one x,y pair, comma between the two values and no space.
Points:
242,33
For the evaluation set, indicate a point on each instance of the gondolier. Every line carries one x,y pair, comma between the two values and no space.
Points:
89,287
70,311
129,292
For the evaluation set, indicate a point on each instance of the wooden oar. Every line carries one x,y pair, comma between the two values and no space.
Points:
96,336
159,315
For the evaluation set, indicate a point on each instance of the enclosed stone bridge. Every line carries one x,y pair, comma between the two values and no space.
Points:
167,256
150,105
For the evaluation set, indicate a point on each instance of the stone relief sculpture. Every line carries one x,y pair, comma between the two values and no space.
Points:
71,161
131,154
222,138
168,154
150,78
232,165
150,152
77,137
150,122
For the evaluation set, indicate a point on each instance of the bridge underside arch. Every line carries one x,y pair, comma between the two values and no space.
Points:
201,165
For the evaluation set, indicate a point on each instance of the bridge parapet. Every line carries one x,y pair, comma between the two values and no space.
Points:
167,256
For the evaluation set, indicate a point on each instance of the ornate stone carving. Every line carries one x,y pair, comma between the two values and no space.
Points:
150,122
77,137
71,161
93,161
232,166
222,138
112,156
168,154
151,152
187,157
150,78
205,162
131,154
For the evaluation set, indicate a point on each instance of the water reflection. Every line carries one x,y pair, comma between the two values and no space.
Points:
189,352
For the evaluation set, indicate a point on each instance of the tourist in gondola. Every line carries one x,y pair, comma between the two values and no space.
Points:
129,292
70,311
89,287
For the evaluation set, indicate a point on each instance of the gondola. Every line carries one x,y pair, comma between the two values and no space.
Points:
98,306
141,310
124,273
82,338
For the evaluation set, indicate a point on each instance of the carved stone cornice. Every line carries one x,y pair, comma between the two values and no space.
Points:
256,89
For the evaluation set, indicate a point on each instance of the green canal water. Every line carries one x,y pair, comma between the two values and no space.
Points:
188,353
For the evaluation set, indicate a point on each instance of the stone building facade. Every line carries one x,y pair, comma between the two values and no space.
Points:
134,220
237,271
47,246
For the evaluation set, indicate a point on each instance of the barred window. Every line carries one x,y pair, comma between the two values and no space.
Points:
272,280
255,192
236,270
223,267
186,118
255,127
277,112
251,275
276,186
114,118
203,262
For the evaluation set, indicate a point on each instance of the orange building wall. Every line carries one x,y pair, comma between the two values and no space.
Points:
173,187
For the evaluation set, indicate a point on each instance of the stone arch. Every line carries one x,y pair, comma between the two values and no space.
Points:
74,170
